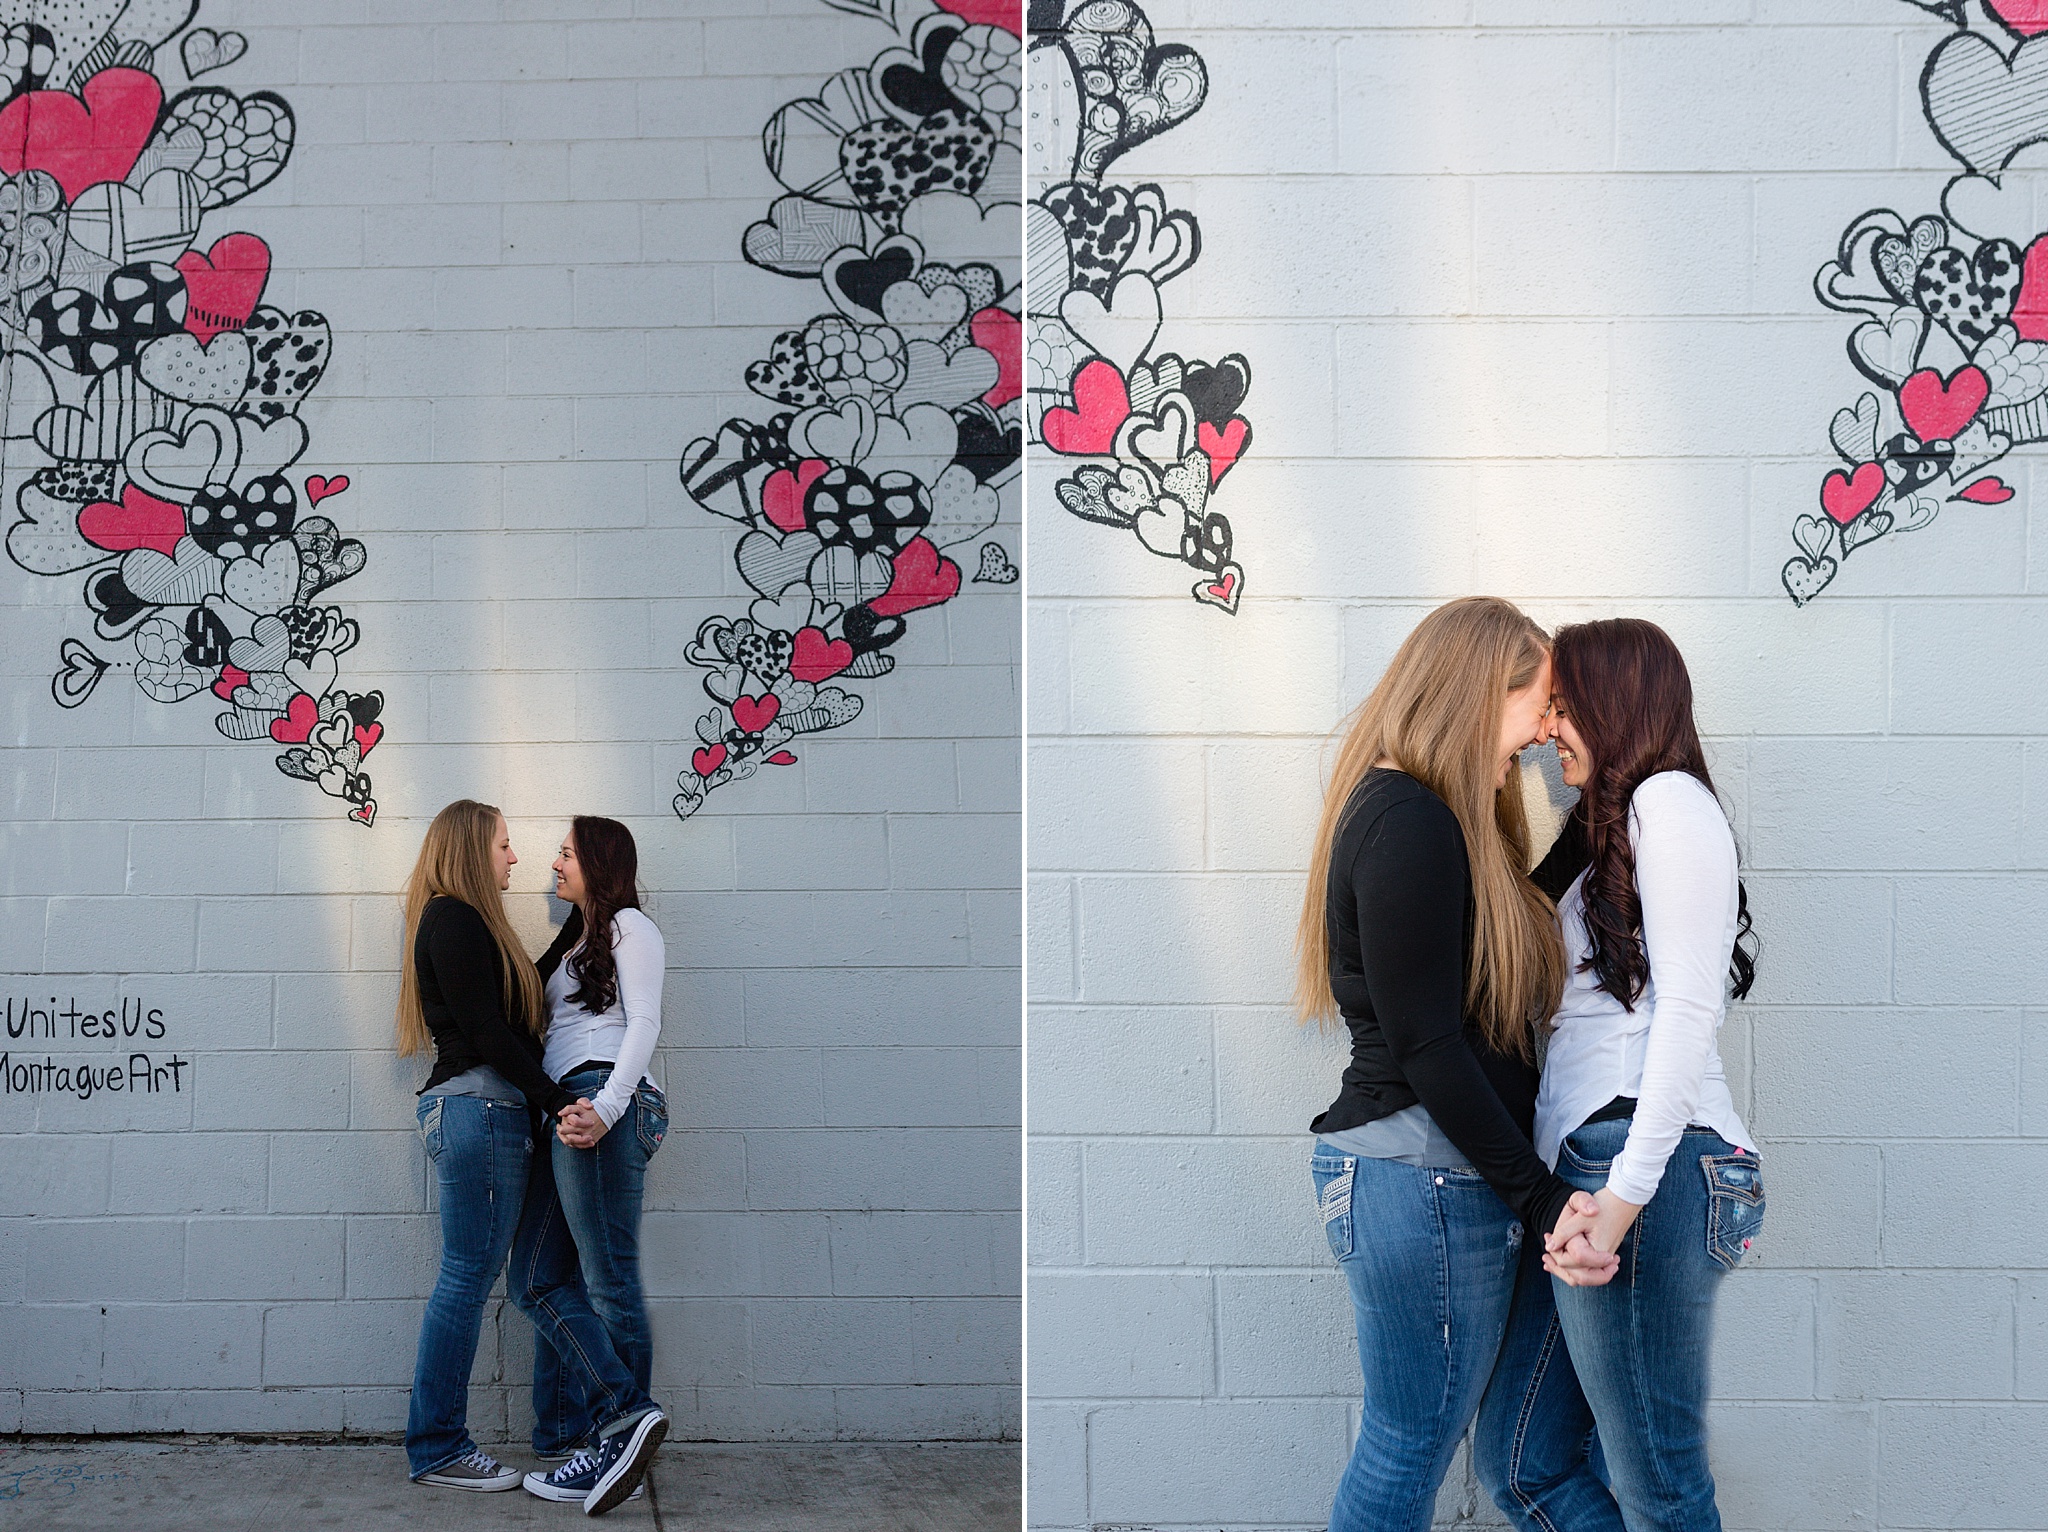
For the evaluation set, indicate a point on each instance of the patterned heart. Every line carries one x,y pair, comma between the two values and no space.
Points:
1969,296
889,166
287,355
235,522
1898,257
122,225
785,376
242,143
799,235
90,335
1101,225
1131,90
1912,465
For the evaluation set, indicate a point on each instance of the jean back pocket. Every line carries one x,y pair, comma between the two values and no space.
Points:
1735,1205
650,1116
430,1125
1333,1176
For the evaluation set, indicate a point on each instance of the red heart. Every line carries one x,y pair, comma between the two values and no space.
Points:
1001,333
319,487
2026,17
782,497
921,578
229,679
367,814
782,758
1222,588
298,721
1007,14
1989,491
139,521
1225,446
753,714
1102,404
816,657
367,735
708,760
1845,498
2030,309
1935,410
222,286
82,142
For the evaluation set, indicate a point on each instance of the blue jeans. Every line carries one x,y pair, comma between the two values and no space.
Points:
480,1150
1430,1257
576,1274
1638,1355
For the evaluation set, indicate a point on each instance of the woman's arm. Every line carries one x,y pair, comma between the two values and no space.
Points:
465,960
642,958
1409,879
1686,876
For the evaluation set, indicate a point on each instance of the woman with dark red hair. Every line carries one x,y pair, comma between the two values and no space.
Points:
1633,1108
576,1258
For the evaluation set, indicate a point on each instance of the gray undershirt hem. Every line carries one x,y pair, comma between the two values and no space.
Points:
1410,1136
481,1081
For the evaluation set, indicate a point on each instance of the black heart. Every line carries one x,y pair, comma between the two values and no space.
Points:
866,631
1912,464
1217,391
119,608
1969,296
89,335
864,282
986,449
364,709
922,92
206,639
233,522
1205,544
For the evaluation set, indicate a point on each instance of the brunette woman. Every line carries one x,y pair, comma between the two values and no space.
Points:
576,1260
1634,1109
1422,930
469,992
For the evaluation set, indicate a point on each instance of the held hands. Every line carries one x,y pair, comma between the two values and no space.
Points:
579,1126
1580,1251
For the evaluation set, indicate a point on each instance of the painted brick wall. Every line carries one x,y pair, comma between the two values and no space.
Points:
523,221
1527,295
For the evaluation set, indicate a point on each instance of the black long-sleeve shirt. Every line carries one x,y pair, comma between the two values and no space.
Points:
1400,914
462,991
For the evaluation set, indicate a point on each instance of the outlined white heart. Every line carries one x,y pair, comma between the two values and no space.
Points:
1123,328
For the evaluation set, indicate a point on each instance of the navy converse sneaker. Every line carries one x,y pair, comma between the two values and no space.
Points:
572,1481
475,1469
622,1460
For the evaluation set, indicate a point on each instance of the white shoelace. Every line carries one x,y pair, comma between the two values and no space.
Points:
482,1461
583,1462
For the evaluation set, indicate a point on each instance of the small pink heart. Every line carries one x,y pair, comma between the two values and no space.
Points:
367,736
366,815
782,758
319,487
297,724
782,497
230,678
709,760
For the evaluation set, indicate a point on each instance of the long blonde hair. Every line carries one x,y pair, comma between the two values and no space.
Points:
455,859
1436,714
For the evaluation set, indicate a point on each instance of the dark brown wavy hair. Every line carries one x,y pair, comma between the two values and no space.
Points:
1624,685
610,864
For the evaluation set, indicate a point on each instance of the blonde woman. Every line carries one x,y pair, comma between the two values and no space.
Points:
470,994
1421,929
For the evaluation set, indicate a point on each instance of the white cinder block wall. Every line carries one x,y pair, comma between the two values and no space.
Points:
1526,291
523,221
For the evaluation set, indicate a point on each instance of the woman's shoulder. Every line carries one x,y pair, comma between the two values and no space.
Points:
1391,812
633,925
1681,799
447,907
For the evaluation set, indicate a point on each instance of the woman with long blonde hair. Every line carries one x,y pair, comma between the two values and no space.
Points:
1421,929
468,992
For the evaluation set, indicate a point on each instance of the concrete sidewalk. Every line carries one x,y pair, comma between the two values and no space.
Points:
695,1487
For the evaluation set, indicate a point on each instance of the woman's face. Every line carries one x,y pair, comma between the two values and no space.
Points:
568,873
502,859
1572,754
1523,720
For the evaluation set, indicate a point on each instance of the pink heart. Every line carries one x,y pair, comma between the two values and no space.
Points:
2030,309
816,658
298,722
754,714
2026,17
139,521
1224,447
82,142
223,285
367,735
1007,14
782,497
708,760
1988,491
1845,497
921,578
1101,404
1001,334
230,678
367,814
319,487
782,758
1935,410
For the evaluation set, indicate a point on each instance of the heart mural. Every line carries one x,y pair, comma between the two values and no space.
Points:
1097,383
166,471
1949,307
895,412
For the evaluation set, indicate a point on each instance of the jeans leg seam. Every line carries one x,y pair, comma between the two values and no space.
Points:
1534,1511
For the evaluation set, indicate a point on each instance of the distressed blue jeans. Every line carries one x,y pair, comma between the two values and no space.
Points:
1430,1258
576,1274
1629,1357
479,1149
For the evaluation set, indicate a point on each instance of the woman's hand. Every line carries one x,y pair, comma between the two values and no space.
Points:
1579,1240
579,1126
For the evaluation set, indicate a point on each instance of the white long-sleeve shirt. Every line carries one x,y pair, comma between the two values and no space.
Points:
1663,1052
625,1034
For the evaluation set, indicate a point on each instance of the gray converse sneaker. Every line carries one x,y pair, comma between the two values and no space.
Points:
475,1469
572,1481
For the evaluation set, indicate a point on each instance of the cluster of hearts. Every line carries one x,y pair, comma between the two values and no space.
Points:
901,432
163,395
1098,255
1953,308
